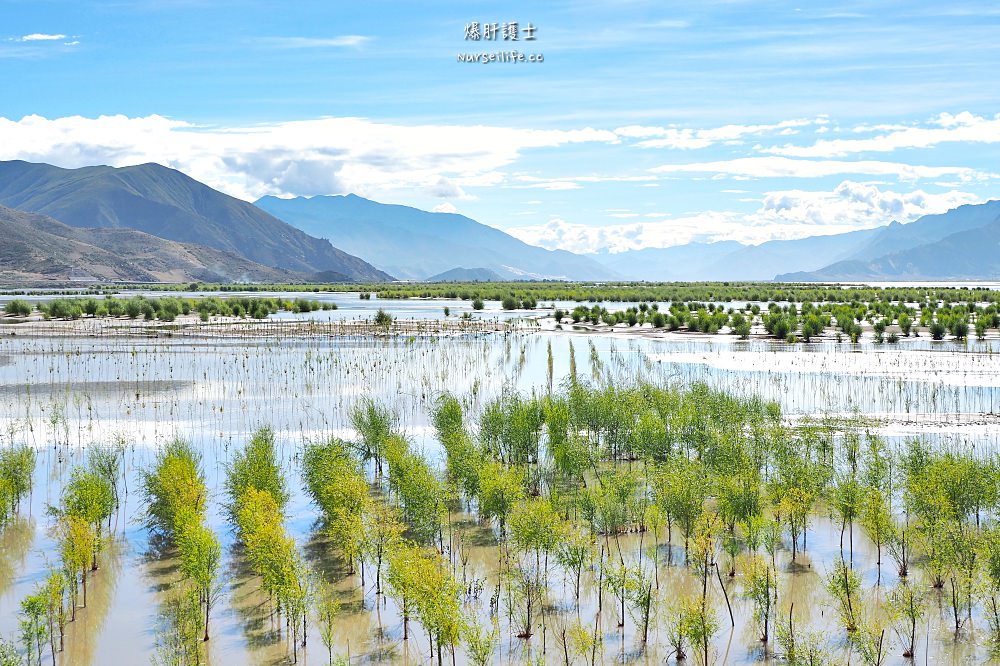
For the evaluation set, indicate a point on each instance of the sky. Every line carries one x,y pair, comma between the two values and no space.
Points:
646,124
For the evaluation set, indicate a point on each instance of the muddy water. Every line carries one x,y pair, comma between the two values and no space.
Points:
61,395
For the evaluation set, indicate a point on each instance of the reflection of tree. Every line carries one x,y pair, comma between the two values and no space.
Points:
82,634
354,624
16,539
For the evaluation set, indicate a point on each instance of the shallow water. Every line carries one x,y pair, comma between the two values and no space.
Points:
216,393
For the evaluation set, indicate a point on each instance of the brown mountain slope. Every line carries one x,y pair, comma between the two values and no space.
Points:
37,248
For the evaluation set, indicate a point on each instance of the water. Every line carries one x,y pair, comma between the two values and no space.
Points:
62,394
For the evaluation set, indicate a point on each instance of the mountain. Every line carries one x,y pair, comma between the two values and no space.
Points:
729,260
663,264
930,228
879,253
762,262
966,254
36,248
166,203
467,275
415,244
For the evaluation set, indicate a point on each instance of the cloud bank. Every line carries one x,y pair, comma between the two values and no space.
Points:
780,215
324,156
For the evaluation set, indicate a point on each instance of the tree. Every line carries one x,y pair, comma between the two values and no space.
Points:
500,488
8,654
326,609
54,589
383,320
906,606
843,584
382,531
33,625
76,547
256,466
760,588
201,555
89,495
18,308
576,551
480,643
374,423
876,519
801,648
639,592
402,580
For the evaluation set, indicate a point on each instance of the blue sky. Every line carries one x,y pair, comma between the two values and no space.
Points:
647,124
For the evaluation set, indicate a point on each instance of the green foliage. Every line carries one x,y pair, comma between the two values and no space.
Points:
500,489
174,486
176,498
383,319
374,423
33,626
17,466
256,466
18,308
843,584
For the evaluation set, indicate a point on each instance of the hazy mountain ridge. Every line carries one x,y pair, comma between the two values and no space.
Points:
462,274
956,244
169,204
416,244
959,244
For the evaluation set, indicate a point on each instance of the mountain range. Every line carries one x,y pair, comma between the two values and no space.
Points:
166,203
152,223
958,244
416,244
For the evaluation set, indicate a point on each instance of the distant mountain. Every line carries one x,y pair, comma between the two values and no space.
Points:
971,251
467,275
729,260
930,228
677,263
858,255
415,244
166,203
36,248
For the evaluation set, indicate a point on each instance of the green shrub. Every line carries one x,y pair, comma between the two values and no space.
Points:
18,308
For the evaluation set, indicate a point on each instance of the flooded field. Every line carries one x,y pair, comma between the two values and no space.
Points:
62,395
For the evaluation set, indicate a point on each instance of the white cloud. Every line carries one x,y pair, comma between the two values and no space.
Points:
784,167
323,156
446,207
688,139
315,42
780,214
946,128
574,182
40,37
555,185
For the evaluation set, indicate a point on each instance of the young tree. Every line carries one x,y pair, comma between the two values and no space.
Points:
76,548
906,606
89,496
201,555
843,584
33,626
500,488
382,531
326,608
876,519
760,588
